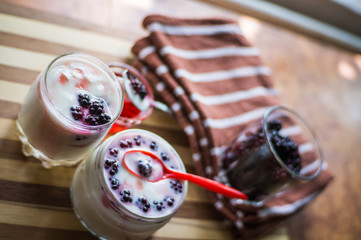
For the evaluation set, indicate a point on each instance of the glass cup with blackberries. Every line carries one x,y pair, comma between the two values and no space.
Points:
138,98
271,155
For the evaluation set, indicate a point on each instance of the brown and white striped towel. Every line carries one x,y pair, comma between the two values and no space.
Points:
216,84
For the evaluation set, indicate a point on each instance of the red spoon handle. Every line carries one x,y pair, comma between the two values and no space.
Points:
208,184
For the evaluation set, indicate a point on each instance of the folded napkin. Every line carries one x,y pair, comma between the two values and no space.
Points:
215,83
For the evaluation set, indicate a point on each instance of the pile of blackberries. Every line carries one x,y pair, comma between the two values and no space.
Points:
96,115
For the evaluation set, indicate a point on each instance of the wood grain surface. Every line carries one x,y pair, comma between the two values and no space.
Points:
321,82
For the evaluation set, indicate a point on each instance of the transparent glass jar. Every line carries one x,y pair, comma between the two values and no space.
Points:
137,107
139,100
46,124
102,207
273,154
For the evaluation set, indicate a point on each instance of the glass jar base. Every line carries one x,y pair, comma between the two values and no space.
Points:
29,151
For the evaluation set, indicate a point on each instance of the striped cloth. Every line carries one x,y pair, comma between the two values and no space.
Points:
215,83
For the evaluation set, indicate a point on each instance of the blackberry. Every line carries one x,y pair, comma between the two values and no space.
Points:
143,200
145,167
76,112
84,99
114,182
159,206
104,118
114,152
164,156
108,163
113,171
170,201
115,165
137,141
275,125
126,195
96,107
153,145
137,86
92,119
129,142
123,144
176,186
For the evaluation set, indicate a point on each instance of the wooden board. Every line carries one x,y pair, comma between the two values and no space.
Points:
318,80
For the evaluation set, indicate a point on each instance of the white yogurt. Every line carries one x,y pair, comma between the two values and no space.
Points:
45,123
102,206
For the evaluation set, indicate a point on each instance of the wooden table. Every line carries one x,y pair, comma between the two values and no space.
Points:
322,82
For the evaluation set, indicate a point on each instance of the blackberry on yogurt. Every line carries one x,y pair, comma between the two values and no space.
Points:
114,182
153,145
96,107
76,112
84,99
91,108
164,157
126,196
176,186
145,167
137,85
108,162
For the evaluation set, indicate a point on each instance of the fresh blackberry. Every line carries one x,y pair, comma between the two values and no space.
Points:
176,186
113,171
114,182
169,201
145,167
96,107
159,206
164,156
76,112
153,145
108,163
137,86
123,144
92,119
275,125
126,195
104,118
84,99
130,143
114,152
137,140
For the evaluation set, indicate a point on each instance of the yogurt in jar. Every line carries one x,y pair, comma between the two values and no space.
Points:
69,109
112,202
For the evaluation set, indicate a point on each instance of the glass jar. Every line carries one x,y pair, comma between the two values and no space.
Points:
273,154
138,100
111,202
69,109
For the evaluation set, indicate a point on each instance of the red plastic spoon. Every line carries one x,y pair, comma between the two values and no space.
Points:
169,173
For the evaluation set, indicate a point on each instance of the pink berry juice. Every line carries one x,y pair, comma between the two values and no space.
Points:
115,204
138,99
69,109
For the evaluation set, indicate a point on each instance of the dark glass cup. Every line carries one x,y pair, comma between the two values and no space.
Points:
272,154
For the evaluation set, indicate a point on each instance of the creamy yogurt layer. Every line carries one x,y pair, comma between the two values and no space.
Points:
69,109
138,194
73,82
